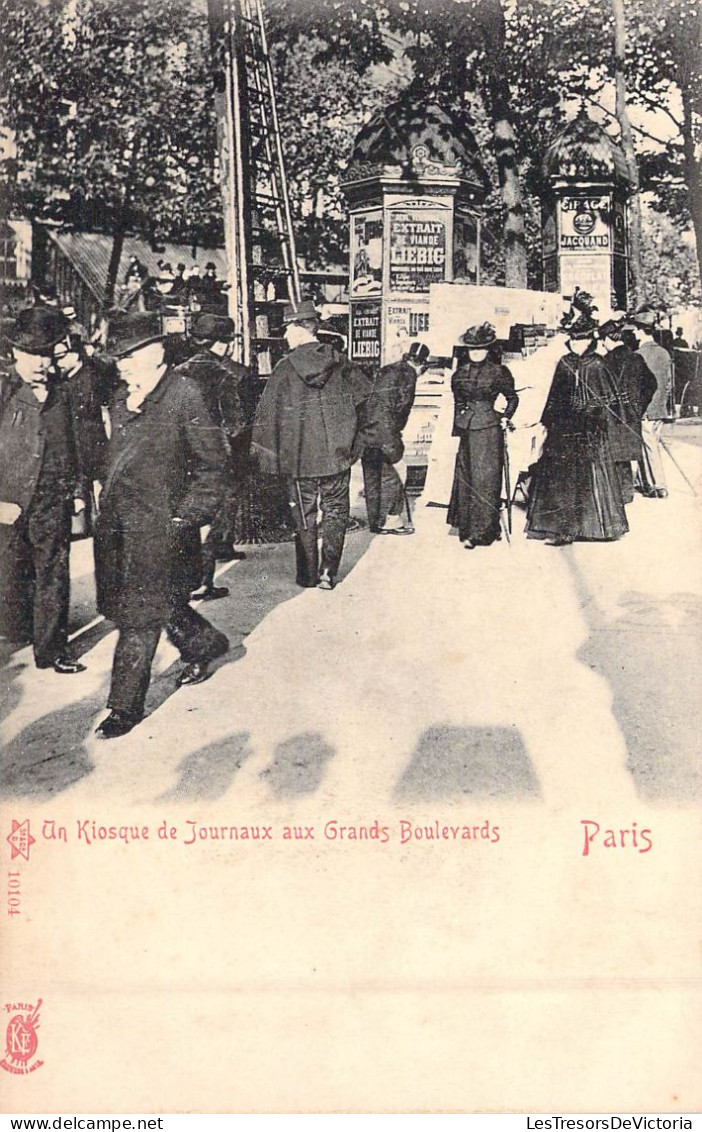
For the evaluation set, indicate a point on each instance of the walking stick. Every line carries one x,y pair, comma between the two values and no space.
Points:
671,457
299,503
508,486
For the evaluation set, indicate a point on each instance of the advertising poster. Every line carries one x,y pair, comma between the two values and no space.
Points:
417,248
367,254
465,248
585,224
365,332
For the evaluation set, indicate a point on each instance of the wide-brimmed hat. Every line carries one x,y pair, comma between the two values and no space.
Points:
583,327
645,317
214,328
36,330
304,311
127,331
479,337
418,353
612,329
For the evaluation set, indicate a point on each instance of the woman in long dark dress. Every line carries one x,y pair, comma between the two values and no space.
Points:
576,493
477,480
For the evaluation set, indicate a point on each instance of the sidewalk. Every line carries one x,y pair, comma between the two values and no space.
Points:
520,671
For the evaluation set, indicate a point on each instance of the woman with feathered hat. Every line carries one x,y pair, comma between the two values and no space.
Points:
477,479
576,492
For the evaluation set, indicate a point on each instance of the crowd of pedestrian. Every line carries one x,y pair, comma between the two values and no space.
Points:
143,448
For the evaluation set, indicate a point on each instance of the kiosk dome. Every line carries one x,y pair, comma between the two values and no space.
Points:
410,140
584,152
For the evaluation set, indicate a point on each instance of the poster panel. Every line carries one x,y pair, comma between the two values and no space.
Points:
418,243
367,254
585,224
365,332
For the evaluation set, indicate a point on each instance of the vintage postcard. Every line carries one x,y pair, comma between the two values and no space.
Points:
350,543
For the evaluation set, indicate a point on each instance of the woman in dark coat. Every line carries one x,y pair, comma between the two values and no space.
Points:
477,480
576,493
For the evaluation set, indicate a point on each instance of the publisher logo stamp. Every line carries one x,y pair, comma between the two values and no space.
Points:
20,839
21,1039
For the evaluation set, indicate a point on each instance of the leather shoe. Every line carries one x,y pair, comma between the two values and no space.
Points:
117,723
326,581
195,673
64,666
210,593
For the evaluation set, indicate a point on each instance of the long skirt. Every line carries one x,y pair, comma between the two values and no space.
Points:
477,485
576,493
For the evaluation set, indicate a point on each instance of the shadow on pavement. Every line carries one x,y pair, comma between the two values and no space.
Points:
298,766
208,774
451,761
48,756
650,657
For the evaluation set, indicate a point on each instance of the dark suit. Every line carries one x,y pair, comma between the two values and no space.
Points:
635,386
387,412
38,472
164,462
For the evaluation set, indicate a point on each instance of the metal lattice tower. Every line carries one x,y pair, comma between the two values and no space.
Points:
259,234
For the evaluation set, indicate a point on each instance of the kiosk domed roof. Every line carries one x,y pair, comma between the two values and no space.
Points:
417,140
584,152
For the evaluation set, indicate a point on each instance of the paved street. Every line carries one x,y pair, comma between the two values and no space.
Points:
520,671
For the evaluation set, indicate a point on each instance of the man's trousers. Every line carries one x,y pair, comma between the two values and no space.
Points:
34,576
194,637
308,497
652,472
383,487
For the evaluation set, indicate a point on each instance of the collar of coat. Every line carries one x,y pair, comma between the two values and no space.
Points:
154,396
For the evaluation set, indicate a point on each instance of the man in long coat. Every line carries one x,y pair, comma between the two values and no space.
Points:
387,412
228,389
164,478
635,386
38,492
307,429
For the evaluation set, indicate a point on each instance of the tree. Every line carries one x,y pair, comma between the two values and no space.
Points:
110,106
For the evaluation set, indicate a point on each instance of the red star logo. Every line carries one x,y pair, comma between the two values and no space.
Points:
20,839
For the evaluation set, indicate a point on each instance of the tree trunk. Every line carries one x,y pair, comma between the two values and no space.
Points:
493,19
692,170
637,285
121,223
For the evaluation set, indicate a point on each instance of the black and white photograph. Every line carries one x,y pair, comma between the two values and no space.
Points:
350,590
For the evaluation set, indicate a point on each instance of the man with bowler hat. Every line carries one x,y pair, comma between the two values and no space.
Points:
164,478
387,412
307,429
228,389
38,491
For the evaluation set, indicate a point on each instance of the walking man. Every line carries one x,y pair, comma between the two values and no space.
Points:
164,478
635,386
660,364
307,429
38,487
387,413
227,388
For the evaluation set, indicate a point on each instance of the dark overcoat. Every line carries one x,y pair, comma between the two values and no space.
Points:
308,419
166,461
635,386
24,428
388,408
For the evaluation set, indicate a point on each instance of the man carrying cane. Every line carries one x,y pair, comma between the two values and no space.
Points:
387,413
306,429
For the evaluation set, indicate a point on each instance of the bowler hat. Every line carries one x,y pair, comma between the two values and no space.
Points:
210,266
304,311
583,327
418,353
36,330
214,328
127,331
480,337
